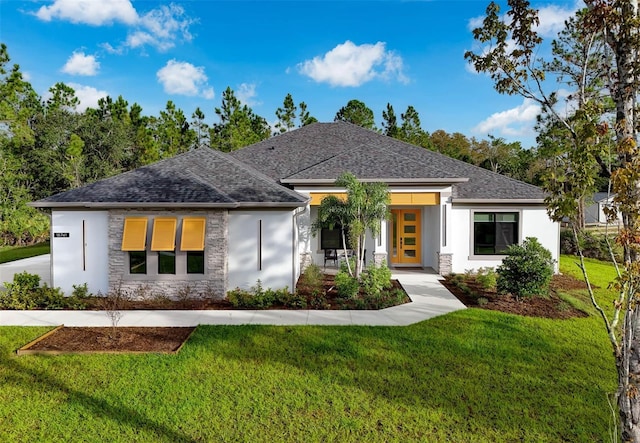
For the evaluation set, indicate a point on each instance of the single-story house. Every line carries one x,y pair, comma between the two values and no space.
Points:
594,212
217,221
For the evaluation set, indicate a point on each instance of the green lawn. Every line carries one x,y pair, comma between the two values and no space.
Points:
11,253
469,376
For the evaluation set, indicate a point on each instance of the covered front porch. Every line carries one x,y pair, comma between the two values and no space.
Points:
415,235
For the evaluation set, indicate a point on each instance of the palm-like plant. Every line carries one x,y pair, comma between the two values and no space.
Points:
366,206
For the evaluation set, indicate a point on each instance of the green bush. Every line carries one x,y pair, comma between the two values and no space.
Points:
526,271
593,245
486,278
25,293
375,279
80,291
290,300
313,277
346,285
257,297
240,298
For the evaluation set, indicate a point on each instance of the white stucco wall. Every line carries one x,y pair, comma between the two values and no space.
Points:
430,236
74,263
268,257
534,222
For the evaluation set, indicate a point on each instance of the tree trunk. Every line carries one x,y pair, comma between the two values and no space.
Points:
628,382
623,42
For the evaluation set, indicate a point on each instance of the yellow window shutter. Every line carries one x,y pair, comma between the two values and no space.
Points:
134,236
164,234
193,234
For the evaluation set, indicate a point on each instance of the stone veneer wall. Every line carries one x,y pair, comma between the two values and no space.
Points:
379,258
445,264
214,280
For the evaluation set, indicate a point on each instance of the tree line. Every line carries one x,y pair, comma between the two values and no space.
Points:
49,146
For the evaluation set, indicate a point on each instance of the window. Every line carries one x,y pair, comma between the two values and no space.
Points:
195,262
494,232
137,262
165,254
332,238
166,262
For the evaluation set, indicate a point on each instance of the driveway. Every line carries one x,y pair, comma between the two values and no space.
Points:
40,265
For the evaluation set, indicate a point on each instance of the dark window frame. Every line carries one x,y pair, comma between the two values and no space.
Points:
494,236
191,257
333,242
138,262
166,262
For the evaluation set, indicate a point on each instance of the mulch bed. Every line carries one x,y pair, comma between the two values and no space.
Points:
333,300
109,340
548,307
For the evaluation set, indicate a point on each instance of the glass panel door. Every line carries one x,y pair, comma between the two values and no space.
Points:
405,236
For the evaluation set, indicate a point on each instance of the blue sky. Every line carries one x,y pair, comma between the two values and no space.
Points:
323,53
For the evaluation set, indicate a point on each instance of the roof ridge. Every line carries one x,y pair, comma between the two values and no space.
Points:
462,162
257,174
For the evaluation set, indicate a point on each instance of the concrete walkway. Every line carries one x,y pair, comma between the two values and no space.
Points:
40,265
429,299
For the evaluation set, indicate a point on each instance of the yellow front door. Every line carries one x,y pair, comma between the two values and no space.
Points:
405,236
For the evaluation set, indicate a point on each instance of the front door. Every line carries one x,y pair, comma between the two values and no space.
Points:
405,236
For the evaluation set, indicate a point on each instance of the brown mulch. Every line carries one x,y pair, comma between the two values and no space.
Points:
107,339
331,300
155,339
548,307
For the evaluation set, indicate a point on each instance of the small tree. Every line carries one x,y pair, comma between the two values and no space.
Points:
364,209
527,269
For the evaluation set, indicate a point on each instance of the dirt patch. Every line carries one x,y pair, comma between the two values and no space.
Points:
473,295
109,340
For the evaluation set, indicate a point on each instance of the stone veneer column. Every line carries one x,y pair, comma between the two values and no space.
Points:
379,258
445,264
213,282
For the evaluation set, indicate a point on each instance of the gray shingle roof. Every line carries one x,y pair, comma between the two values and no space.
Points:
202,177
254,176
322,151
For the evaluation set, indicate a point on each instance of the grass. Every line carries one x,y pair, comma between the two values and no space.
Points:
11,253
470,376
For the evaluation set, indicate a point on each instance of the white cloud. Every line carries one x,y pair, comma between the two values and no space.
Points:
246,93
516,121
161,28
351,65
87,95
183,78
90,12
552,18
81,64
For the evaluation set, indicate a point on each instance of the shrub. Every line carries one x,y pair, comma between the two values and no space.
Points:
346,285
257,297
318,300
80,291
486,278
290,300
25,293
240,298
375,279
482,301
593,245
313,277
526,271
